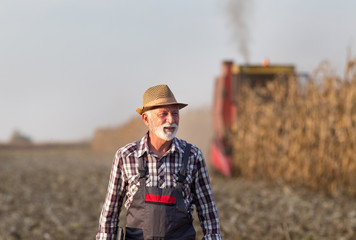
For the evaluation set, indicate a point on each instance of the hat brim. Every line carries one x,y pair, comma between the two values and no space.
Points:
146,108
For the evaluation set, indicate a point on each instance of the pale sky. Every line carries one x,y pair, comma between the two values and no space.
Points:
68,67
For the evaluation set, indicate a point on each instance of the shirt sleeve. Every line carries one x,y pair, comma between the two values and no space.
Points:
109,217
205,203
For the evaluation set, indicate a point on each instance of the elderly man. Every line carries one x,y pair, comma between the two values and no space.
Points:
162,178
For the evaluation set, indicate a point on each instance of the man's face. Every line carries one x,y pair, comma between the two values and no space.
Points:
164,121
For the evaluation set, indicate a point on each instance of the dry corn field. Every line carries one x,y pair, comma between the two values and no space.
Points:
304,136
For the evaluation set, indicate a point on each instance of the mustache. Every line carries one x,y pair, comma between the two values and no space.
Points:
170,125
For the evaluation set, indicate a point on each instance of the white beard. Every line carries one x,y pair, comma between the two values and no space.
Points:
159,131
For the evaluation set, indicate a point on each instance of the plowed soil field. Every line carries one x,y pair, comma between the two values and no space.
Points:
58,192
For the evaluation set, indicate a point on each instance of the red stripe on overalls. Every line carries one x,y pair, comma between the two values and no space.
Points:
160,199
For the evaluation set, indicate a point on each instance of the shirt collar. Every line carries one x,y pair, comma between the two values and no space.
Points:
143,146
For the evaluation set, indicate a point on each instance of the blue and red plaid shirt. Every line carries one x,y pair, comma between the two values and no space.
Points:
163,173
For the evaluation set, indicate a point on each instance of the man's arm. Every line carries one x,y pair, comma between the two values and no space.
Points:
204,201
109,218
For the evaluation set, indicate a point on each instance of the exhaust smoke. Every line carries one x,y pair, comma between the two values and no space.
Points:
239,13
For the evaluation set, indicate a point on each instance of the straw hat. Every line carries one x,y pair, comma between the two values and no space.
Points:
159,95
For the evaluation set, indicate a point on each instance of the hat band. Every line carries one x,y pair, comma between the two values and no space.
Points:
161,101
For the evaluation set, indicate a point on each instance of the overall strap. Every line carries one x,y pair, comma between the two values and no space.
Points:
142,166
183,170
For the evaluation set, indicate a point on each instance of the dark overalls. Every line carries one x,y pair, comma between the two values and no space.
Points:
159,213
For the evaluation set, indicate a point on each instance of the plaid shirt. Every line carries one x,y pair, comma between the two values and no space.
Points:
163,173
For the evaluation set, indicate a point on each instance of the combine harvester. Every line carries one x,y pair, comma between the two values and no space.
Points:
225,106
